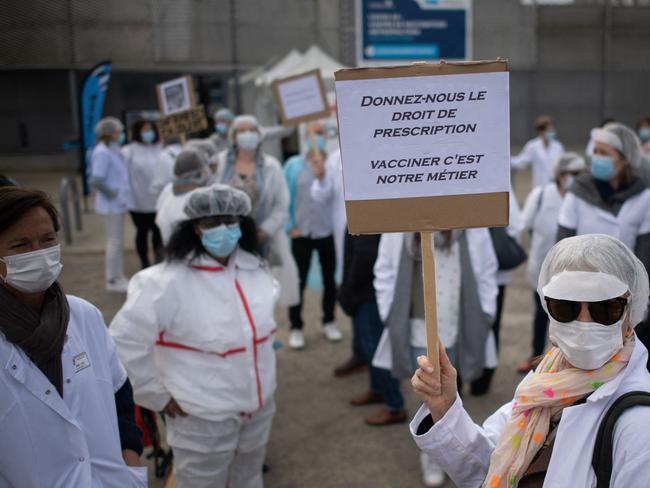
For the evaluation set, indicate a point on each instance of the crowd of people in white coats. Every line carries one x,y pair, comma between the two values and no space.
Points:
225,234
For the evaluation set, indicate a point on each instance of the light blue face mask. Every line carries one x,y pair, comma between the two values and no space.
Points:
602,168
148,136
321,143
644,133
221,241
551,135
122,139
221,128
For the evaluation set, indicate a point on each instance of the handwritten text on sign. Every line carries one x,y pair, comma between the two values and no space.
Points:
424,136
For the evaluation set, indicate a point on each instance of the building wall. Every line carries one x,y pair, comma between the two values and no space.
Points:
578,63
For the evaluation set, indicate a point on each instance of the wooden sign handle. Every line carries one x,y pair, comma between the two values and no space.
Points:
430,311
183,139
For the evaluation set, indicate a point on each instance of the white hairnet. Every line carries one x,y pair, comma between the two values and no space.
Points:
569,162
224,114
206,147
191,166
108,126
622,138
599,253
238,122
217,199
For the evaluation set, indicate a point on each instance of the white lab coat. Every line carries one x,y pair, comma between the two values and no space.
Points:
142,161
463,448
541,158
164,173
170,212
69,442
202,334
540,216
108,165
632,220
332,187
481,255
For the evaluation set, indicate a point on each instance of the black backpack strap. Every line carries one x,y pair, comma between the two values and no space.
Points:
604,446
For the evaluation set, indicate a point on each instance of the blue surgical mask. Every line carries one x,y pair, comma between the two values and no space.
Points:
602,168
221,128
644,133
148,136
122,139
221,241
551,135
320,143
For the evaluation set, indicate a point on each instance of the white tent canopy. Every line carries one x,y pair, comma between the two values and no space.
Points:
295,63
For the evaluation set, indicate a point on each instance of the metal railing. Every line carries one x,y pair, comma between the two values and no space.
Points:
68,187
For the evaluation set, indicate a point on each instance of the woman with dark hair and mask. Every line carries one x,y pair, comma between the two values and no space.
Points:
196,333
66,408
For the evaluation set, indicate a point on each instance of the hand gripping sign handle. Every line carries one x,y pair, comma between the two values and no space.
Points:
430,312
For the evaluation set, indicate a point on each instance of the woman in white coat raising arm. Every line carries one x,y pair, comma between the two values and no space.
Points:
595,292
196,333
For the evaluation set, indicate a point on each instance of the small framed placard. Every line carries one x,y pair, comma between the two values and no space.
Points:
301,98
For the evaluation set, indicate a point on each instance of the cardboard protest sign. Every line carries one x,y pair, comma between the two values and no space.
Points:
301,98
425,146
181,114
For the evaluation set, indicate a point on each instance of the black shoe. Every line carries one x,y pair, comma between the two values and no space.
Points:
481,385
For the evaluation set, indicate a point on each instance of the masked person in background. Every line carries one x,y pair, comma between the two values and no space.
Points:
190,172
246,167
643,130
208,151
142,156
66,408
222,120
196,333
310,228
611,199
540,152
110,177
540,218
466,292
595,292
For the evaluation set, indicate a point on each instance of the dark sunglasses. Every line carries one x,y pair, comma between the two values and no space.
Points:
605,312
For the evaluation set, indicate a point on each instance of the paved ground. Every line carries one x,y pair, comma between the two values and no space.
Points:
318,440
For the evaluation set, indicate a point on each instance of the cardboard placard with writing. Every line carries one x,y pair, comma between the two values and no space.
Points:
425,146
181,123
301,98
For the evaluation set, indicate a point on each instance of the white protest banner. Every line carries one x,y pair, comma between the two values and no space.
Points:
425,135
301,98
425,147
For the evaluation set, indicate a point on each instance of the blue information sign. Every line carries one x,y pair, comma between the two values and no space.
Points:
393,31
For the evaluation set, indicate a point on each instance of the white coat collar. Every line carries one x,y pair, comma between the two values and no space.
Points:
240,258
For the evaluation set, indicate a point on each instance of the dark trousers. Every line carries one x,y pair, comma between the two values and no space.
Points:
145,223
540,327
302,249
481,385
368,327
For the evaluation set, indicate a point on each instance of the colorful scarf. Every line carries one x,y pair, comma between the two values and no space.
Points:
542,396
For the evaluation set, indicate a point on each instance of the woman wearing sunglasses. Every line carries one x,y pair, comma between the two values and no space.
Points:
595,292
196,333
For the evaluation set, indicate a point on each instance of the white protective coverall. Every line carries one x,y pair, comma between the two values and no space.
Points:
202,334
540,157
463,448
170,211
71,441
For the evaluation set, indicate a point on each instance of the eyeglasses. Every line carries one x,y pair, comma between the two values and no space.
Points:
216,221
605,312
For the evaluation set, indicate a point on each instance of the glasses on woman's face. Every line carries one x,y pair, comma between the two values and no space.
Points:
216,221
605,312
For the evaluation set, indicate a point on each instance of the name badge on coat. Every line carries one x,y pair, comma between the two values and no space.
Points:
80,362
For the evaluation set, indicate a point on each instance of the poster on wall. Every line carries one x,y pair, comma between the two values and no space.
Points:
402,31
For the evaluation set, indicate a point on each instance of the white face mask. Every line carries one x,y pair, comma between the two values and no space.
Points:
35,271
568,179
248,140
586,345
